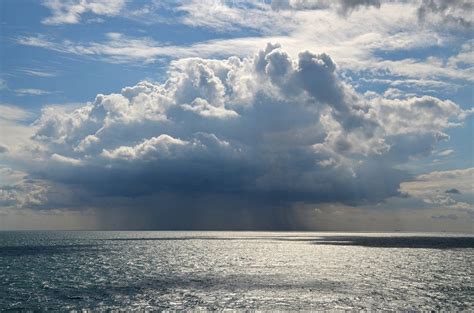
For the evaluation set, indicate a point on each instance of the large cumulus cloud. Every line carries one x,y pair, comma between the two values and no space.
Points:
244,136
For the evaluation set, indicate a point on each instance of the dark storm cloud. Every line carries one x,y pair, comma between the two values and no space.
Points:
230,143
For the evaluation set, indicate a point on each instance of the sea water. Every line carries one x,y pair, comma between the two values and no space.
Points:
235,270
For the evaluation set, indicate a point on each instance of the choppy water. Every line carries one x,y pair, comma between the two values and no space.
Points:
235,270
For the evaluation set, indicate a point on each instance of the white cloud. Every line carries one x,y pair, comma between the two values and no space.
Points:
358,41
13,113
202,107
393,93
417,114
163,146
31,92
63,159
38,73
422,84
36,41
69,12
446,152
14,133
227,16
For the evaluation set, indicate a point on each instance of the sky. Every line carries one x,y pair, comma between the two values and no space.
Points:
244,115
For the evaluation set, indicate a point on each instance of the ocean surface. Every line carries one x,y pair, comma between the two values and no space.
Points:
235,270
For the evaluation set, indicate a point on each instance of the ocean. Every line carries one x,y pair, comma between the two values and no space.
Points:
175,270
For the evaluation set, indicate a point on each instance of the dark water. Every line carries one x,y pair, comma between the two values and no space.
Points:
235,270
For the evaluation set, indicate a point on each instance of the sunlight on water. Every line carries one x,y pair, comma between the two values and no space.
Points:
236,270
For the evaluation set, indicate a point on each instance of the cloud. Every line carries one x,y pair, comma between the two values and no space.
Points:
446,152
238,136
37,73
14,129
350,5
363,42
445,189
419,114
224,16
163,146
16,190
120,48
457,13
31,92
343,6
63,159
69,12
13,113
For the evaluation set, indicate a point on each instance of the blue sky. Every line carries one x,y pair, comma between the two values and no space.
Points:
178,114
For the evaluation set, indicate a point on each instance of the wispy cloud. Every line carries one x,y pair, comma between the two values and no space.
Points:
31,92
358,42
13,113
446,152
37,73
70,12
